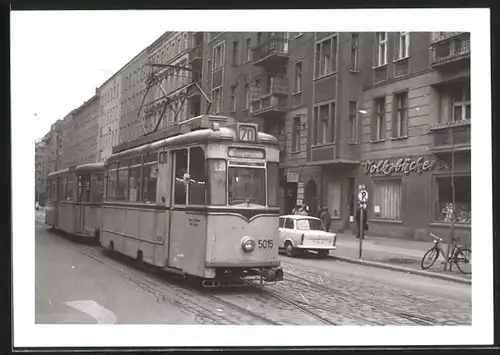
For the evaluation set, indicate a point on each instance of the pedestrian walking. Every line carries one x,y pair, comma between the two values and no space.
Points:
326,218
319,211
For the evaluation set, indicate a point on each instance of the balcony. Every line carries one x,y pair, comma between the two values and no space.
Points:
450,50
451,136
272,54
272,102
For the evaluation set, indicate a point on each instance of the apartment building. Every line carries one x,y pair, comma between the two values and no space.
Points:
109,116
80,132
172,48
133,89
415,130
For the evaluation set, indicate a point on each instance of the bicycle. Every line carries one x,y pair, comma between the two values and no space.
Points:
459,255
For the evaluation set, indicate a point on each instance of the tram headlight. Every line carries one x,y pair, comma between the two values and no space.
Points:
248,245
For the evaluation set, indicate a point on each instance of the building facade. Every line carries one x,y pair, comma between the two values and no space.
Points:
109,116
80,133
416,133
172,48
133,88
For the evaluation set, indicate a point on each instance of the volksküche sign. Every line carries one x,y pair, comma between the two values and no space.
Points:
404,165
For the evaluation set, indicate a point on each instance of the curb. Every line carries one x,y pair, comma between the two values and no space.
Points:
403,269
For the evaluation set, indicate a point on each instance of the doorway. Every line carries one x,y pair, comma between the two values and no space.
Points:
290,197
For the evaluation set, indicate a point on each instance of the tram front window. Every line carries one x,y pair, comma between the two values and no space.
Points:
247,185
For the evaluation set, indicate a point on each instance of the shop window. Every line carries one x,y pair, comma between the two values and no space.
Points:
216,182
387,199
112,182
331,189
180,186
197,177
121,193
134,193
149,178
444,199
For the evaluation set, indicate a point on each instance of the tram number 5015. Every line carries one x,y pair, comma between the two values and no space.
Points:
265,243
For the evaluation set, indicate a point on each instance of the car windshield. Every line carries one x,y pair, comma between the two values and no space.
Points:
310,224
247,185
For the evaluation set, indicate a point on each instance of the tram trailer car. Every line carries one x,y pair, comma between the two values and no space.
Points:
75,197
203,204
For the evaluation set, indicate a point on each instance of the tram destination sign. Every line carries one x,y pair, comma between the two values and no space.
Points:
247,133
247,153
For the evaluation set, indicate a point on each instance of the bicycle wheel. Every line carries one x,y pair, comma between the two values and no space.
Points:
463,259
429,258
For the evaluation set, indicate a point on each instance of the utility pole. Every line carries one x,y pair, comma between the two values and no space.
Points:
363,198
452,226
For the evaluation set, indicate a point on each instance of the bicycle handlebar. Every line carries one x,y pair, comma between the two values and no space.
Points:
435,237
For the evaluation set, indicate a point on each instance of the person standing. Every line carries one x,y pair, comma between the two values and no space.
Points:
327,219
358,217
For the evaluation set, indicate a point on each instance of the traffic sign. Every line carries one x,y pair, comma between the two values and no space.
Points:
363,196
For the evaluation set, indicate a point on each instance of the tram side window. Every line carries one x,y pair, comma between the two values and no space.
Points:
216,181
53,190
111,183
97,187
122,190
62,189
181,165
197,181
71,189
149,177
84,188
135,180
273,184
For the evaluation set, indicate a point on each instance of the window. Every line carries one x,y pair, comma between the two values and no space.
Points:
378,129
246,96
461,103
249,49
326,57
380,48
404,45
134,194
235,53
354,52
112,182
197,177
307,224
246,185
325,123
122,189
97,186
387,198
53,190
233,99
217,100
400,115
83,188
353,121
444,199
149,177
216,182
289,223
281,222
273,184
218,56
296,135
332,193
298,77
180,186
71,188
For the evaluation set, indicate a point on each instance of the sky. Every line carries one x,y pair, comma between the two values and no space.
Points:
58,58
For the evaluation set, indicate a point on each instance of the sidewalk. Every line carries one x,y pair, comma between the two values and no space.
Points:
396,254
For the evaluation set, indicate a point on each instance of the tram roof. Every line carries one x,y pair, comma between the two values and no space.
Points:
203,136
88,168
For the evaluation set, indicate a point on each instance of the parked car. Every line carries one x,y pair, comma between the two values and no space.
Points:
298,233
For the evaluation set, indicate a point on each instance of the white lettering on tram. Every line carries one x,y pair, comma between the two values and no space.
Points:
95,310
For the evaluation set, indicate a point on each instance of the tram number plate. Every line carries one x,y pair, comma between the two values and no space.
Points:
265,243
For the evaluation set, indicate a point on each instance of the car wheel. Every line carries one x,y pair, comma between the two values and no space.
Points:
289,249
323,253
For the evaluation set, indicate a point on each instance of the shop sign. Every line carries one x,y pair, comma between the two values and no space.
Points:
403,165
292,177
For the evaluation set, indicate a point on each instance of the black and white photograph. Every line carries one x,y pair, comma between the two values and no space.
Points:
197,179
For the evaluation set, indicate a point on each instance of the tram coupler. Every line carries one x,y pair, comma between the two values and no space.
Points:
271,275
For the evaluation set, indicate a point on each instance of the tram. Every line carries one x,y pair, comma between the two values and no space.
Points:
75,197
201,203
